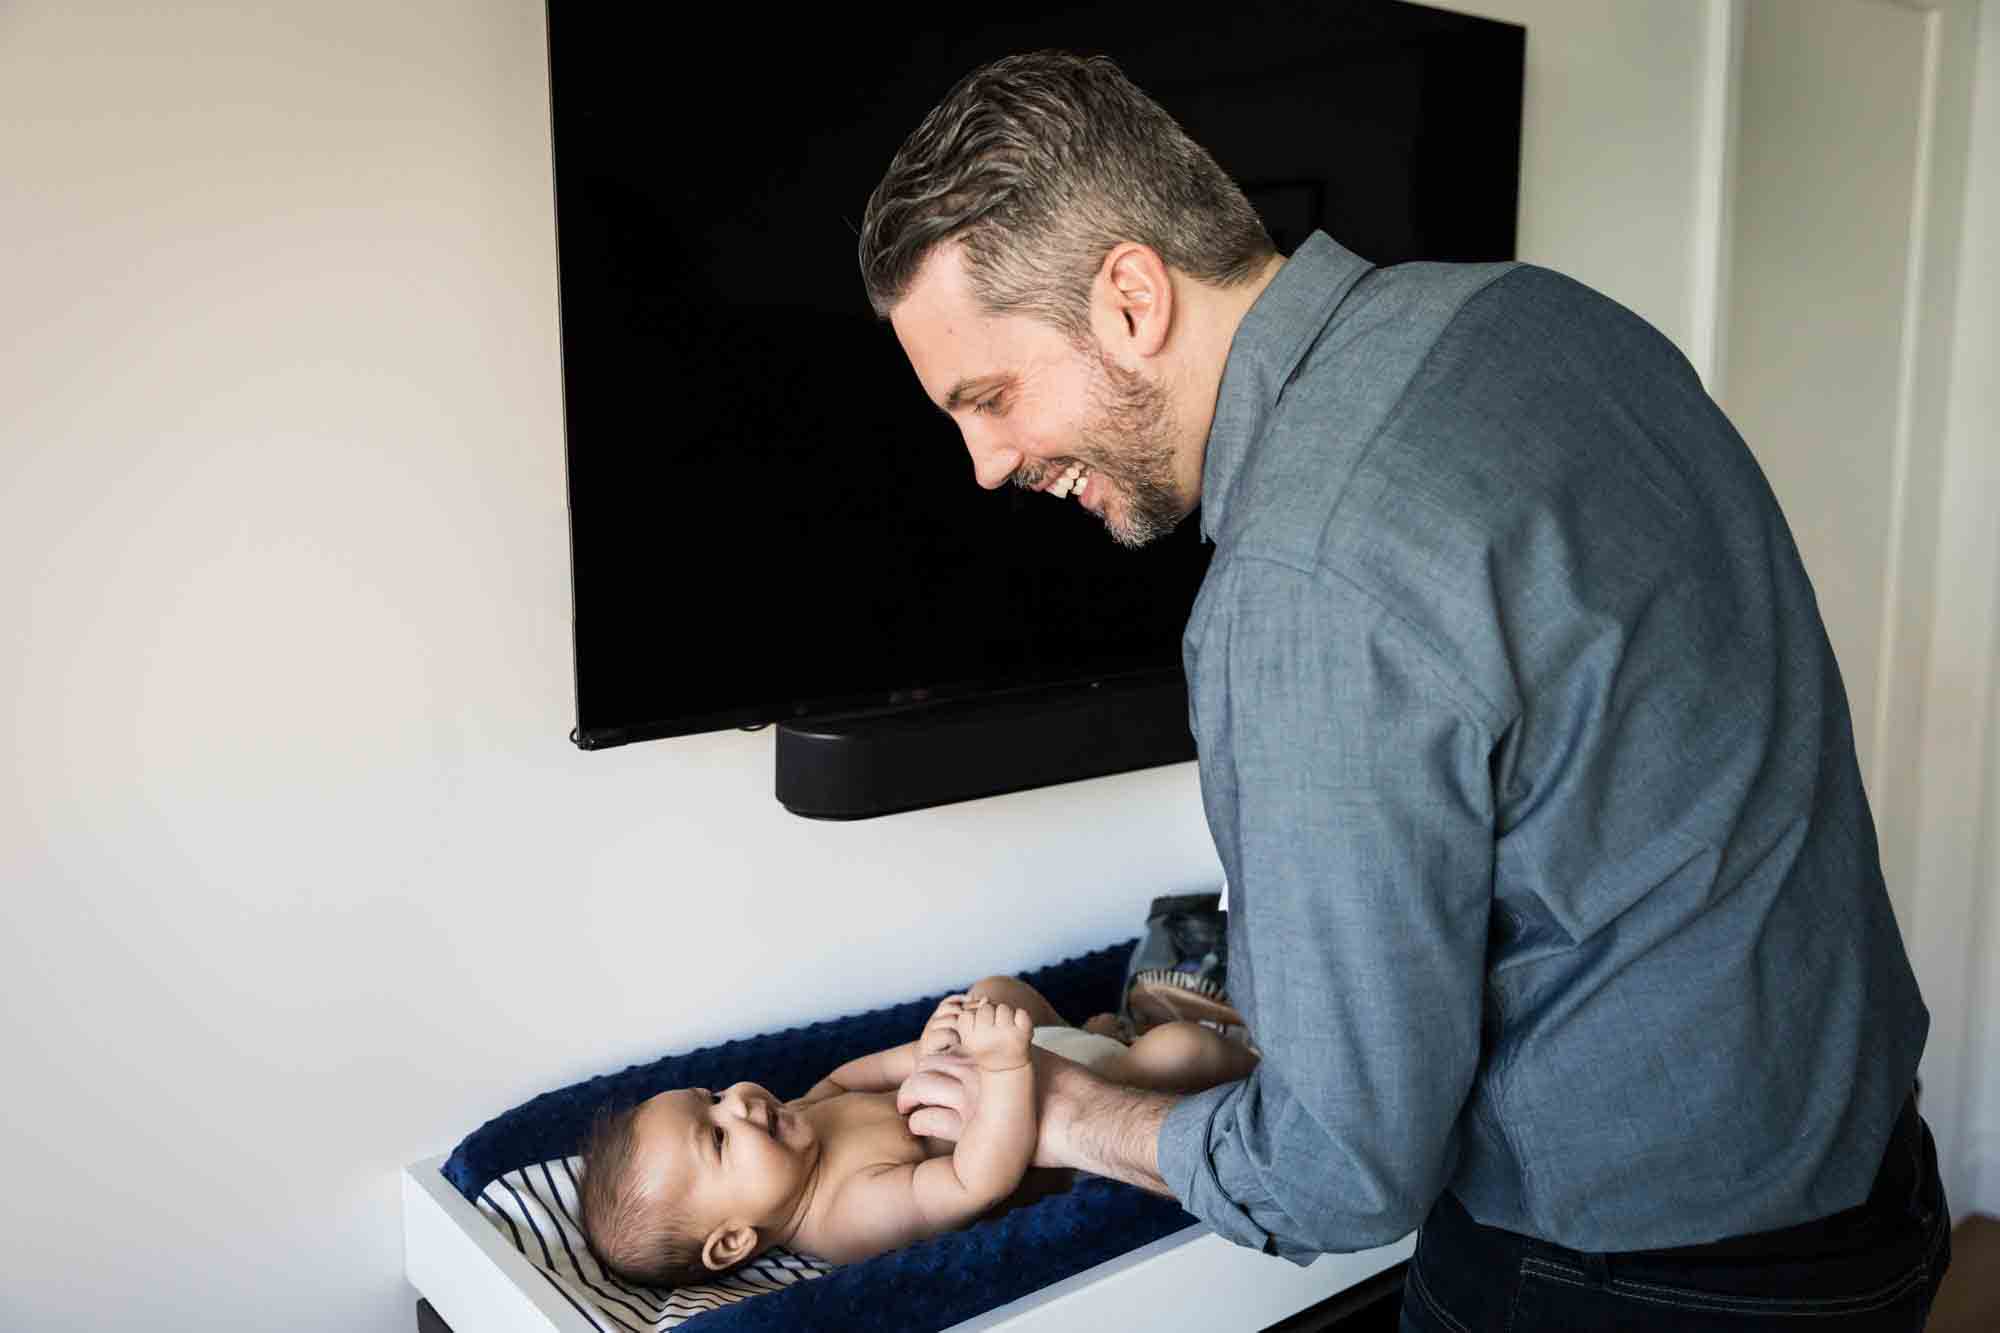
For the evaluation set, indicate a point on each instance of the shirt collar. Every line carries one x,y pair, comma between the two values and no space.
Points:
1278,329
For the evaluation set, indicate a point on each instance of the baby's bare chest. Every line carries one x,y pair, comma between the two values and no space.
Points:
864,1130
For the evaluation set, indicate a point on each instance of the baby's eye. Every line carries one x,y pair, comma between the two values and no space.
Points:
718,1140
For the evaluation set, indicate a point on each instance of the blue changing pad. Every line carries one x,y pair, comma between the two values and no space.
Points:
930,1285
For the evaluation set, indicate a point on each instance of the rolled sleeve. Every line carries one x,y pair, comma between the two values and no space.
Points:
1346,786
1189,1170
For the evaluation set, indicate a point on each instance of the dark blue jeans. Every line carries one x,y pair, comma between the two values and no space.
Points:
1876,1266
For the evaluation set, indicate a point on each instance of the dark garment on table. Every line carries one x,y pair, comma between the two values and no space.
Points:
1530,769
1185,934
1873,1267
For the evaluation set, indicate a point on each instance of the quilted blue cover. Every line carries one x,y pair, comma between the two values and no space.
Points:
930,1285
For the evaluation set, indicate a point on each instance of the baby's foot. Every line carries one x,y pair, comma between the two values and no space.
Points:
996,1036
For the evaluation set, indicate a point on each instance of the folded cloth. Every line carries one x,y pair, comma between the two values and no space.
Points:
1088,1049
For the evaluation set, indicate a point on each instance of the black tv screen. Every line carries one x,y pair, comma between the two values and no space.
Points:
769,520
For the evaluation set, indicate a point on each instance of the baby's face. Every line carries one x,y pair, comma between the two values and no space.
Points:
733,1157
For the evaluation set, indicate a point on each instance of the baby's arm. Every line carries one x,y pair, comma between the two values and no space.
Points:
884,1071
891,1205
994,1151
879,1071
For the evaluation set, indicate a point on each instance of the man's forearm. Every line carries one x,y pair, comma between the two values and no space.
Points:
1102,1128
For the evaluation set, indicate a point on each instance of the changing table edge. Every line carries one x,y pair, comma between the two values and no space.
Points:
479,1283
466,1269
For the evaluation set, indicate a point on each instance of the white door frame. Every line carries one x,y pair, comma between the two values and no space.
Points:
1931,742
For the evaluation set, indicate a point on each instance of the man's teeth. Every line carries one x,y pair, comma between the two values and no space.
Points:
1075,479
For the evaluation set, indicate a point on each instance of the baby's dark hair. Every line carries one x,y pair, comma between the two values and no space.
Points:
637,1236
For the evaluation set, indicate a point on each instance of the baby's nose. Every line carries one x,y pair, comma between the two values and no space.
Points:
747,1101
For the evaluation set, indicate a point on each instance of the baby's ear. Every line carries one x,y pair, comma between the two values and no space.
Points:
728,1245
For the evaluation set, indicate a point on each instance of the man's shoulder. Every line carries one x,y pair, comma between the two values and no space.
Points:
1355,377
1386,440
1445,283
1529,313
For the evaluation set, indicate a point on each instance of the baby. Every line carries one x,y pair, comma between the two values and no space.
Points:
691,1183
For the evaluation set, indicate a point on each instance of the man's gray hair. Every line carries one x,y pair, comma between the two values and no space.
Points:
1038,165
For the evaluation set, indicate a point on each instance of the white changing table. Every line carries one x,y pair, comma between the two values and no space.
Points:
479,1283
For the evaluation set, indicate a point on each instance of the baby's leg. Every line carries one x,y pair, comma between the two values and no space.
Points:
1014,991
1181,1057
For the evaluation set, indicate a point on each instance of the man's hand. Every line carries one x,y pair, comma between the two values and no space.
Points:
942,1095
1083,1122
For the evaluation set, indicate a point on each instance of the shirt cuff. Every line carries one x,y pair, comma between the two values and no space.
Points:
1188,1169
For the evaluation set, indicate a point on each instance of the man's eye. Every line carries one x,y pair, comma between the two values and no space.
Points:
987,405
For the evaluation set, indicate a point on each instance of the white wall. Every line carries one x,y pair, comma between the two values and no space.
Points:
1851,329
302,879
1964,650
1612,144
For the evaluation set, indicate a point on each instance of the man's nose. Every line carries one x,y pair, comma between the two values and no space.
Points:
992,463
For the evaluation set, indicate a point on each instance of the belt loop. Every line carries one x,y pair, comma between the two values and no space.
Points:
1598,1267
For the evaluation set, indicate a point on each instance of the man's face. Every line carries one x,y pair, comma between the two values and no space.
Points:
1034,408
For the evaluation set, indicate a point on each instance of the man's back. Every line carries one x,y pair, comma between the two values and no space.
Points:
1579,850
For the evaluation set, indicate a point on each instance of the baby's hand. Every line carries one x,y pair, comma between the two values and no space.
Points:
996,1036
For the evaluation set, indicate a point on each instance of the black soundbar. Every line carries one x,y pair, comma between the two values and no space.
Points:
860,765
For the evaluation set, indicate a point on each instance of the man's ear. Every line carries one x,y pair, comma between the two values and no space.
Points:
1133,301
728,1245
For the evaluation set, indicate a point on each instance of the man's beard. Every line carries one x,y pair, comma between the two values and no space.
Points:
1127,444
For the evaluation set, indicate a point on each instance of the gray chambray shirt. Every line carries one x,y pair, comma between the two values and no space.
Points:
1552,880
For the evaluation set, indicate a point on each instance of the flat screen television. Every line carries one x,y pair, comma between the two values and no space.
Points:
769,520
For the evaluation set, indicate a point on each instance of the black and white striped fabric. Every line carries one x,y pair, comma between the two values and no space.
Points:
535,1208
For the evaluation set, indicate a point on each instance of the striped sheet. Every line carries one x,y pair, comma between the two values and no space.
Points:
535,1208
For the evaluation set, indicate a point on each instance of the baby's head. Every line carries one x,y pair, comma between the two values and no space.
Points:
687,1185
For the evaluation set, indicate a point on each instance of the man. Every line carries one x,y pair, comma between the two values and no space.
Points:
1556,908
